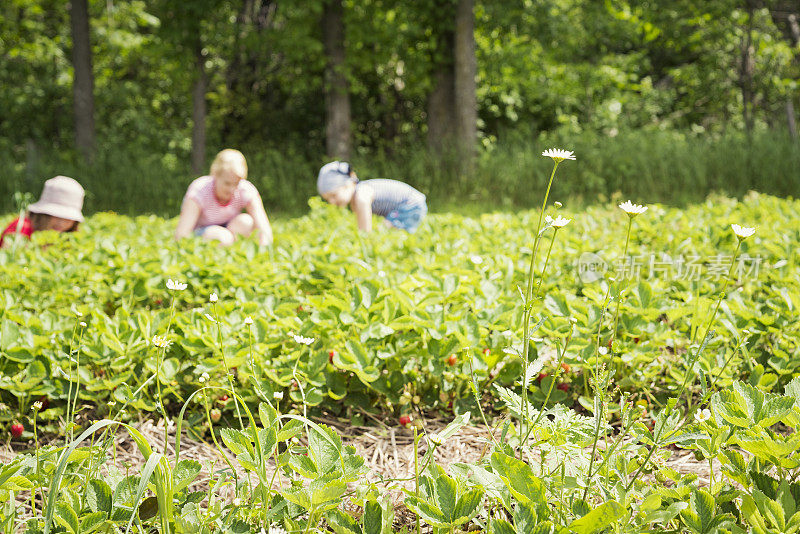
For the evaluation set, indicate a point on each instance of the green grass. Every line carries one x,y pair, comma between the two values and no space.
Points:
648,166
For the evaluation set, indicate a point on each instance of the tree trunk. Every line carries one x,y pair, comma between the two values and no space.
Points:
466,103
83,78
746,71
441,104
794,27
199,112
338,141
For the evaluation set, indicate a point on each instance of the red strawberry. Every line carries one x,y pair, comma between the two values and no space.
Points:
541,376
331,355
17,429
565,367
405,420
452,359
223,398
636,340
563,386
486,351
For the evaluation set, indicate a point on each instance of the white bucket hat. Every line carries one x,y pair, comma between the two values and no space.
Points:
61,197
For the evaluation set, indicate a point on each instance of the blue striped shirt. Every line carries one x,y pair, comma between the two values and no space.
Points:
390,195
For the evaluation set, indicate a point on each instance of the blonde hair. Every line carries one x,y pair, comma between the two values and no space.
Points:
229,160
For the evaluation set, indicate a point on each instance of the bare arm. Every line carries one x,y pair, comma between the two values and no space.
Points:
362,207
190,212
260,221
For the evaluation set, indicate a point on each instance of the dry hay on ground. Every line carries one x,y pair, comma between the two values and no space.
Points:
388,453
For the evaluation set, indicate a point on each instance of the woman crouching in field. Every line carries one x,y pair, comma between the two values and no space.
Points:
58,209
212,207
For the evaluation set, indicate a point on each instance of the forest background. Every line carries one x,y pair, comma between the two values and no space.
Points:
662,100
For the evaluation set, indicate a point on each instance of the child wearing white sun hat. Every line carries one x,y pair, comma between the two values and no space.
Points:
58,208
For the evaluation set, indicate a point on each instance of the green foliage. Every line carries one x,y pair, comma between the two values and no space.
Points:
633,83
328,319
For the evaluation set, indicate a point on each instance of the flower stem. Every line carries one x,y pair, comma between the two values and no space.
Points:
619,285
528,299
416,472
695,356
225,364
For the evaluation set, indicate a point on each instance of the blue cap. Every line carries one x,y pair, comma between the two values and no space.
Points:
332,176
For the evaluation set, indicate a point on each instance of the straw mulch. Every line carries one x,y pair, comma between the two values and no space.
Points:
388,452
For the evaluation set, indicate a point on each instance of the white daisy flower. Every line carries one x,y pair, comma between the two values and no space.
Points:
213,297
632,209
558,155
83,324
248,320
161,342
204,378
174,285
703,415
37,406
560,222
602,350
742,232
436,439
477,260
278,395
302,340
210,318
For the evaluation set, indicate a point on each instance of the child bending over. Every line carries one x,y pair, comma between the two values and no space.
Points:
401,205
58,208
212,207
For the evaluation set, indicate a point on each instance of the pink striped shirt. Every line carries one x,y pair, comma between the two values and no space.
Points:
211,211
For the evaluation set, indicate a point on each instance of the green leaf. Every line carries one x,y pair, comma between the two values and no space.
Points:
751,513
692,520
184,474
467,507
331,491
299,496
598,519
501,526
445,489
793,390
427,512
98,496
303,465
92,522
342,523
237,441
519,479
292,428
703,505
17,483
373,517
66,517
324,449
148,508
